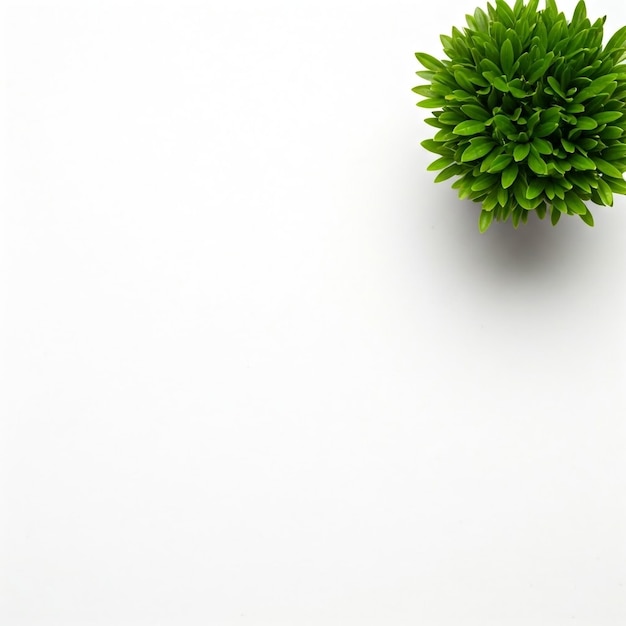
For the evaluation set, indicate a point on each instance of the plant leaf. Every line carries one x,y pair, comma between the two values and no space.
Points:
509,175
521,151
606,117
469,127
575,204
537,164
535,188
478,148
451,170
595,87
484,221
607,168
439,164
586,123
475,112
507,57
605,192
429,62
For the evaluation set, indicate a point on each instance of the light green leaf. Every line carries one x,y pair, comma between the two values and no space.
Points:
429,62
432,103
545,128
535,188
423,90
451,170
451,118
507,57
509,175
484,221
521,151
575,204
605,192
612,132
500,163
475,112
595,87
462,78
615,153
607,168
500,83
581,162
439,164
606,117
556,87
434,146
469,127
478,148
542,146
586,123
587,218
537,164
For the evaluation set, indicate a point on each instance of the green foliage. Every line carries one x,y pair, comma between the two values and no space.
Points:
530,112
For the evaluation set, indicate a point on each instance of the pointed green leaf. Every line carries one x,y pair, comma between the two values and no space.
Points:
575,204
423,90
615,153
439,164
540,67
505,125
556,87
581,162
537,164
434,146
606,117
499,82
451,118
500,163
429,62
484,221
612,132
618,185
451,170
541,210
586,123
545,128
555,216
616,41
521,151
535,188
475,112
595,87
587,218
607,168
478,148
542,146
432,103
509,175
469,127
605,192
484,181
462,79
507,57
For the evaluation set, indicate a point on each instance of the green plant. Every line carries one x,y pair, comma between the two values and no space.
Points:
530,111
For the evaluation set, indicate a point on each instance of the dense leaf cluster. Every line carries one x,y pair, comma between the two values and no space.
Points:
530,111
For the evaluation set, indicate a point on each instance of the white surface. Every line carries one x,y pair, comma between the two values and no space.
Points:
256,368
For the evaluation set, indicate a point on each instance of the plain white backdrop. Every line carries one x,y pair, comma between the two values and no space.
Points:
256,368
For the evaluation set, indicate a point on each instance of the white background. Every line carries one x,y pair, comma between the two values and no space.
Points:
256,368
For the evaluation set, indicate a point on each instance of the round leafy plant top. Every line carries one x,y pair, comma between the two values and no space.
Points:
530,112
